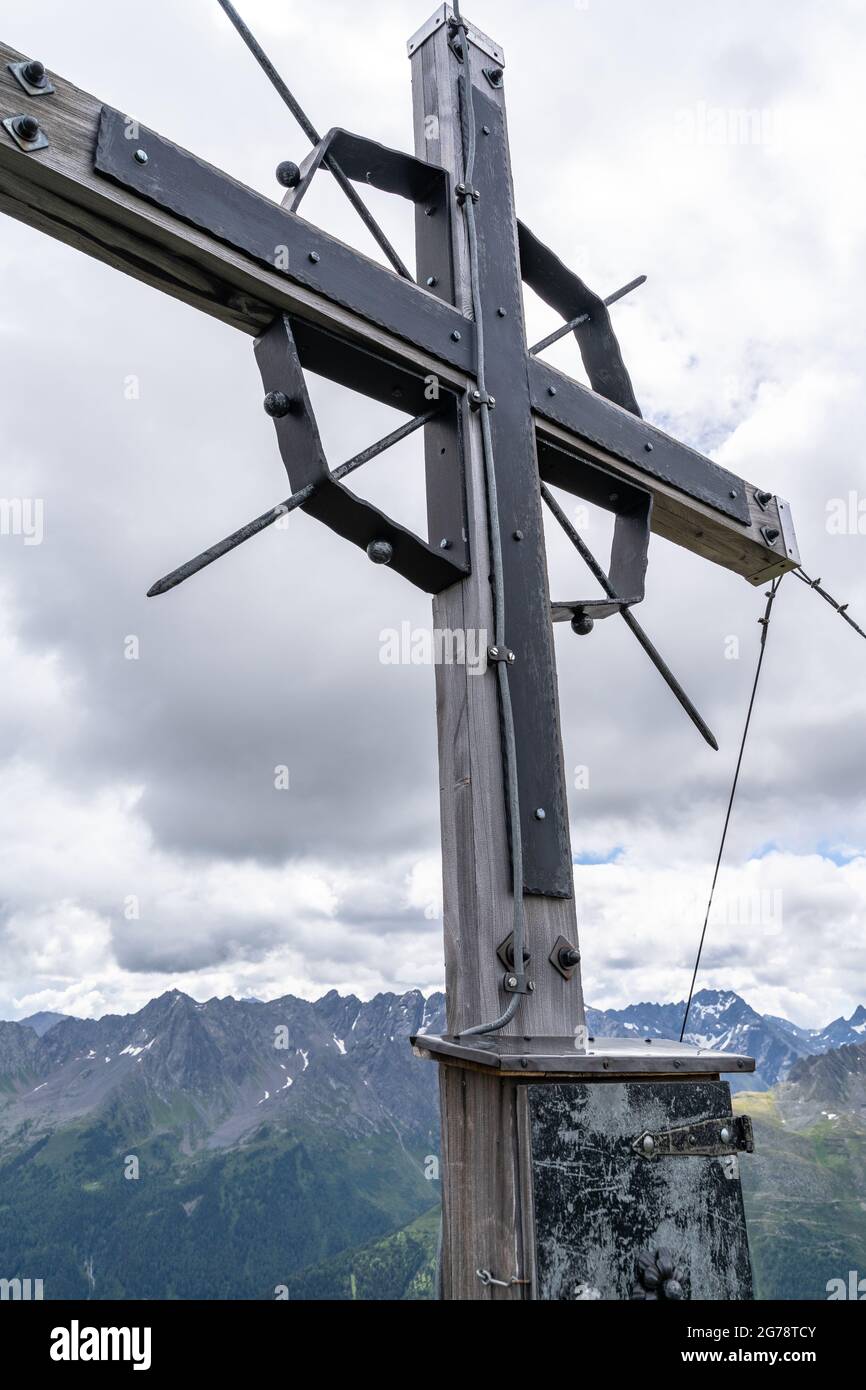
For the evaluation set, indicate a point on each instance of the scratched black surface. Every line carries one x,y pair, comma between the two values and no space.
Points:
598,1203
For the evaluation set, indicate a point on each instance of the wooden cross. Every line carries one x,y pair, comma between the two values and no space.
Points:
94,178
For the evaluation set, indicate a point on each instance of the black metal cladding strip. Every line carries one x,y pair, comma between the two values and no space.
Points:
589,416
564,291
196,192
331,502
545,837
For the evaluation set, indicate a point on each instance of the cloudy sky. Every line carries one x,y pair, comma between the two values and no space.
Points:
143,843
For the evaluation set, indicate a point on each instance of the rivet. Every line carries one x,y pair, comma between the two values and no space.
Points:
725,1135
141,156
649,447
649,1144
518,535
541,814
34,73
380,552
315,257
456,336
551,390
485,129
288,174
432,280
445,545
734,492
277,404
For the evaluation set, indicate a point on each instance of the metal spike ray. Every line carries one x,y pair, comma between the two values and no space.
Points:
584,318
291,504
630,620
313,136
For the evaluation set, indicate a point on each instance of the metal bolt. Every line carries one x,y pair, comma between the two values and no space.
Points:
141,156
649,447
734,492
763,498
34,73
541,814
512,982
692,1140
26,128
569,957
503,313
725,1135
494,652
277,404
518,535
315,257
288,174
432,281
531,986
551,390
485,129
649,1144
456,336
582,625
445,545
524,1063
380,552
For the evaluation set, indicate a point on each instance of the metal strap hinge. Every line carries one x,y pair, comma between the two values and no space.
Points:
706,1138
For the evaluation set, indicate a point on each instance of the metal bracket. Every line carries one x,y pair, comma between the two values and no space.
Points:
629,554
505,952
445,15
20,72
562,957
39,141
384,540
707,1139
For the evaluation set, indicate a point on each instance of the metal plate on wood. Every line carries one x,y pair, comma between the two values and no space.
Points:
598,1207
546,843
587,414
182,184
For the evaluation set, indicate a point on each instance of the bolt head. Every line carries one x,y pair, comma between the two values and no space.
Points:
541,814
649,1144
314,257
380,552
518,535
288,174
277,404
27,127
512,982
582,625
432,281
503,313
456,336
649,447
551,390
725,1135
673,1289
734,492
141,156
34,73
445,545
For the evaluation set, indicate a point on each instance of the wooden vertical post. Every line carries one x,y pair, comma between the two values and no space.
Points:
484,1144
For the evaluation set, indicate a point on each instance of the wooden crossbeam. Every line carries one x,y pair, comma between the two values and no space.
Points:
58,190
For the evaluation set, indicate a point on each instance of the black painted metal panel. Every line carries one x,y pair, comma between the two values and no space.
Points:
598,1203
198,193
589,416
332,502
546,842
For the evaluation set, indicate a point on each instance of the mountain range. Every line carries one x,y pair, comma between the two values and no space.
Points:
232,1148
